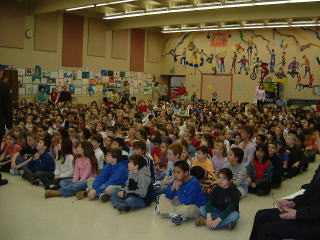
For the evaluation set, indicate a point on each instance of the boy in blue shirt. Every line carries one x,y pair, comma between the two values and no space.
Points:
183,197
114,175
39,166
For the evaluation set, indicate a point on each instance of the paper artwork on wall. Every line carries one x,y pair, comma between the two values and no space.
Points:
35,88
54,74
28,88
27,79
21,71
29,72
77,90
22,91
60,73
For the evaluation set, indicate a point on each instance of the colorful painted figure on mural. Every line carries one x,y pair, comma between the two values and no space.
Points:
283,60
299,84
174,55
272,60
222,56
250,49
234,62
264,70
311,80
202,54
210,58
306,66
293,68
281,77
217,61
183,58
243,61
256,63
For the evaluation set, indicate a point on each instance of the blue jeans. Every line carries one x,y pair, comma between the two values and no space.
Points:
69,188
158,190
19,160
232,217
131,202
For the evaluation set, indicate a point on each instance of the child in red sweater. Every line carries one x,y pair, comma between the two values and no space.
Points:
10,150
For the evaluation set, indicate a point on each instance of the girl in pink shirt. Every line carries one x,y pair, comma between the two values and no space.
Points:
86,166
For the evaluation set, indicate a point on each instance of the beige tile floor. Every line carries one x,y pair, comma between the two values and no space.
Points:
26,215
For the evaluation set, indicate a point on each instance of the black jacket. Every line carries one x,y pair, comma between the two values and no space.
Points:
308,204
5,105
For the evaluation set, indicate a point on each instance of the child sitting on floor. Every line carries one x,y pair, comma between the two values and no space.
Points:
207,180
202,159
26,153
183,197
222,209
10,150
219,158
278,171
40,165
113,175
260,172
86,166
64,166
239,171
138,190
173,155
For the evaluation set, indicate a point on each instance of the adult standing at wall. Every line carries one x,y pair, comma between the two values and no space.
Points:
5,105
181,91
156,93
42,96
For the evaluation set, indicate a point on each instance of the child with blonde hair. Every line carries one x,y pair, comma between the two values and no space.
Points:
219,158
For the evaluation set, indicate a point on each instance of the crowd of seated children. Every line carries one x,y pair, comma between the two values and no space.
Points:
132,153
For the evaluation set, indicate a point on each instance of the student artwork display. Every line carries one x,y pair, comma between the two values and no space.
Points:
103,81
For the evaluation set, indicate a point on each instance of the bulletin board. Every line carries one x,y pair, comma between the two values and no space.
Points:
219,83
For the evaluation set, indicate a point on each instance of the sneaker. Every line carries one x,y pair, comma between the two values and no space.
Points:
3,182
34,182
123,209
14,171
39,182
81,195
157,209
104,197
200,221
53,187
232,225
177,219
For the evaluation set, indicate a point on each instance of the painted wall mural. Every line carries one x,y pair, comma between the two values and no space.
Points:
286,57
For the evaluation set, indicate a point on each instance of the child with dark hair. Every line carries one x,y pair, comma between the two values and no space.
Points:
278,171
202,159
261,139
138,190
9,152
183,197
246,145
85,134
118,143
140,148
96,141
239,172
113,175
222,209
38,166
24,154
260,172
86,166
207,180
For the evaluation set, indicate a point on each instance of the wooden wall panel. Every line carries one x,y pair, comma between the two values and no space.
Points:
72,49
137,50
120,42
46,32
153,47
12,17
96,38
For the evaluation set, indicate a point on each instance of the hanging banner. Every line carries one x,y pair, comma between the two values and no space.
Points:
219,39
